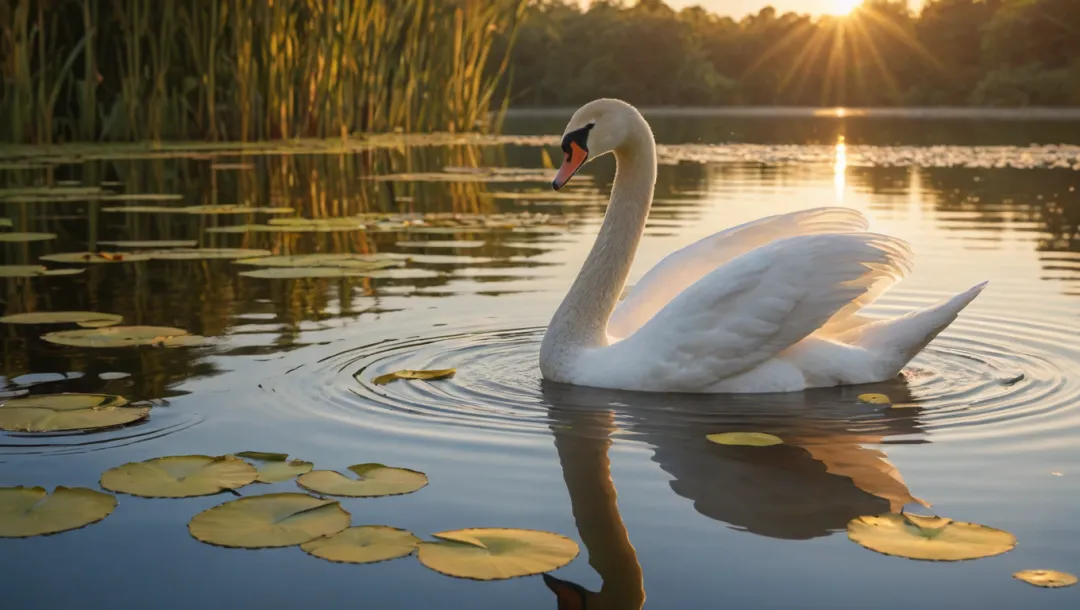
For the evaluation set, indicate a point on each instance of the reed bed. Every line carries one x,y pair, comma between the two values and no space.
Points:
126,70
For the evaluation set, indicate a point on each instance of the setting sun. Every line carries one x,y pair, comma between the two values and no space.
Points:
844,7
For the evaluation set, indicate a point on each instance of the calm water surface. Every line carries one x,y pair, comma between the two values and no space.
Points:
988,430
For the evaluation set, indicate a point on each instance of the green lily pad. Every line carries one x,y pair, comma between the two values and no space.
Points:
25,237
179,476
143,197
68,413
276,467
151,243
496,553
363,544
351,261
1050,579
34,271
181,254
268,521
292,273
746,439
928,538
86,319
66,402
32,511
412,374
96,257
125,336
5,223
462,244
373,480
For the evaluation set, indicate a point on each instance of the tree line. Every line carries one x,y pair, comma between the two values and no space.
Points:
951,52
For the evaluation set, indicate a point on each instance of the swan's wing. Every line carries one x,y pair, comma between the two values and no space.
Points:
680,269
751,309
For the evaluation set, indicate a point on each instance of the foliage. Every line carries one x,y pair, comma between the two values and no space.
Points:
953,52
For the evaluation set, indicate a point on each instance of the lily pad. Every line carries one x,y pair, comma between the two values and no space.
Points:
86,319
272,520
125,336
363,544
434,243
1050,579
928,538
373,480
183,254
66,402
5,223
34,271
143,197
874,399
351,261
96,257
32,511
25,237
495,553
151,243
68,413
412,374
179,476
746,439
292,273
276,467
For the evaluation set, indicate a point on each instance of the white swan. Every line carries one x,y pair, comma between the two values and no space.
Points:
768,306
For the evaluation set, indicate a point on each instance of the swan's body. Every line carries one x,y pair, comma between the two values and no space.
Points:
768,306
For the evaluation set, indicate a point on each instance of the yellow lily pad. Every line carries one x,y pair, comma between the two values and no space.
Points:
179,476
495,553
32,511
1051,579
86,319
276,467
272,520
746,439
293,273
151,243
96,257
414,374
874,399
68,413
351,261
34,271
21,237
125,336
928,538
373,480
183,254
363,544
435,243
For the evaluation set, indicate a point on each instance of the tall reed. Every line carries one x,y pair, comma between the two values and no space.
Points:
249,69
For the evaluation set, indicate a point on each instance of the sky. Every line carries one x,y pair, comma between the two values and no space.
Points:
740,8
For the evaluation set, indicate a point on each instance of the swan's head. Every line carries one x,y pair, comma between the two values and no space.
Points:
597,128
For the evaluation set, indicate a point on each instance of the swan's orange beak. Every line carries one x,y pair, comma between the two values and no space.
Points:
575,158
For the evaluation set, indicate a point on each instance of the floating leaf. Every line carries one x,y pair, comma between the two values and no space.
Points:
151,243
292,273
5,223
68,413
441,244
143,197
125,336
874,399
32,511
1051,579
747,439
928,538
373,480
34,271
86,319
179,476
273,520
25,237
96,257
411,374
351,261
363,544
276,467
183,254
48,193
496,554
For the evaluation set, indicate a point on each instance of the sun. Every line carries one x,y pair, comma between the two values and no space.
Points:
844,7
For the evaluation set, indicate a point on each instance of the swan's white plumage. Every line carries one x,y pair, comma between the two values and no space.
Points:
769,306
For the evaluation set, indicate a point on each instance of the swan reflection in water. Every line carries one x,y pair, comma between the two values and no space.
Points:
824,475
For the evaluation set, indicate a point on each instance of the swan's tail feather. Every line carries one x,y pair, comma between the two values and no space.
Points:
896,341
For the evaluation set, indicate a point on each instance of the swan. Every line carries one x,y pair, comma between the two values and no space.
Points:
768,306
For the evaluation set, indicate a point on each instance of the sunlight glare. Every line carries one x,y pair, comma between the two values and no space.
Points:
840,169
844,7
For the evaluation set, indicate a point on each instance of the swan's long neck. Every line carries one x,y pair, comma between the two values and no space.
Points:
581,320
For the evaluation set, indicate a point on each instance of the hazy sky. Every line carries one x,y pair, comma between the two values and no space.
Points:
739,8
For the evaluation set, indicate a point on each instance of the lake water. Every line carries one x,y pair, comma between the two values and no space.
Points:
986,426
